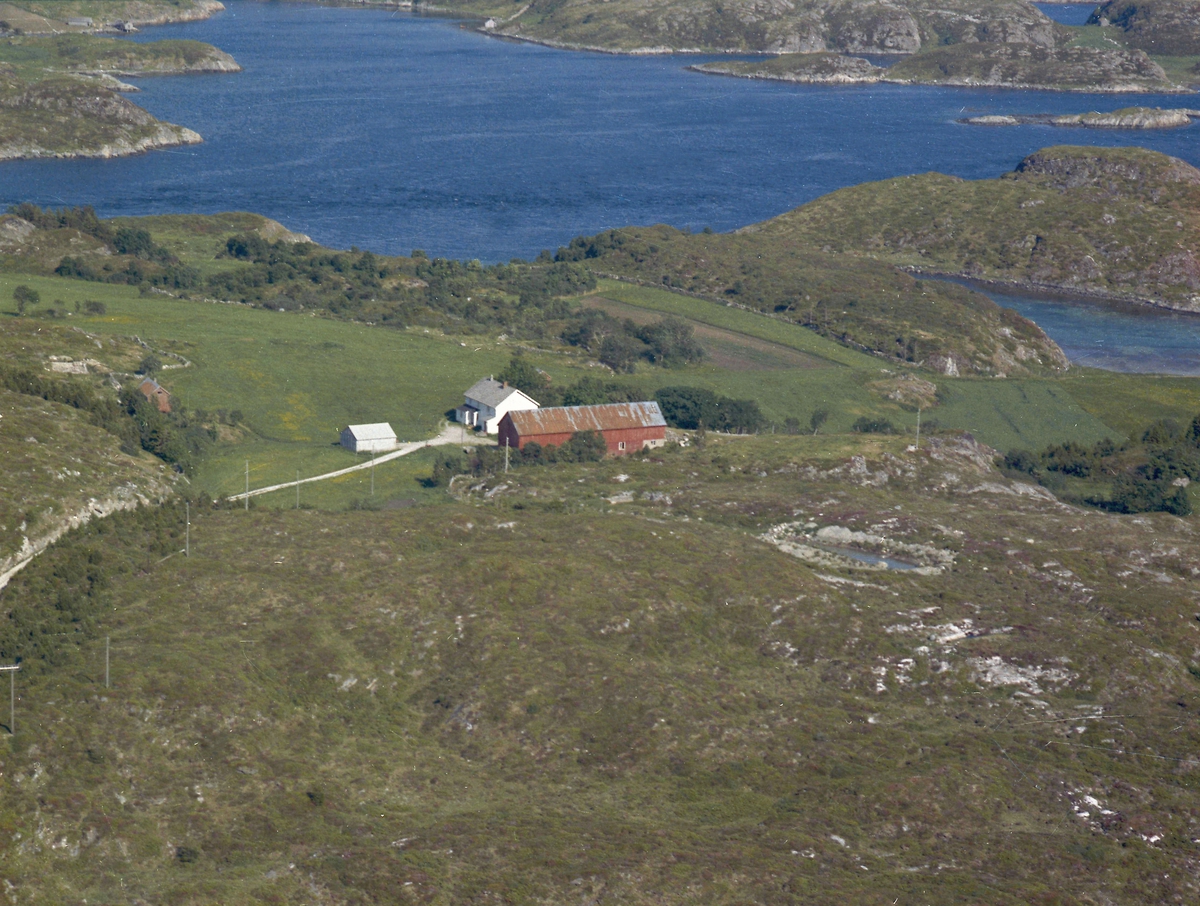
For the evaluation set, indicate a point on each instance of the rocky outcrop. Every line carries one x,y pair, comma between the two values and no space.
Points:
127,497
1167,27
1130,118
814,68
68,118
143,14
1109,223
211,60
1031,66
1067,168
776,26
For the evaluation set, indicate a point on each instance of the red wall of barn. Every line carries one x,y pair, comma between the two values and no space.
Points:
633,438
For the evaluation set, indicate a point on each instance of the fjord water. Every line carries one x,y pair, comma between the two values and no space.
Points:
1067,13
393,132
1137,339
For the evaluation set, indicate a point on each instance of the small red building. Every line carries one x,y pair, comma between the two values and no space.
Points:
156,393
626,427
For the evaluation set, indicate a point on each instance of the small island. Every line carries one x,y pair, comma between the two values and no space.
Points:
1127,118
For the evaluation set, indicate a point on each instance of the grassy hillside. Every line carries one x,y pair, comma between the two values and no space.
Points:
864,304
1119,221
1071,68
691,25
621,701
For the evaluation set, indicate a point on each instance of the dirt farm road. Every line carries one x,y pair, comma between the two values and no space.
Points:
450,434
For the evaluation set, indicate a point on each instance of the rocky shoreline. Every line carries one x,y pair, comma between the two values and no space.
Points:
166,135
1131,118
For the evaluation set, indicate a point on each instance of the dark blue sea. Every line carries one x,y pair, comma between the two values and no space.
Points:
393,132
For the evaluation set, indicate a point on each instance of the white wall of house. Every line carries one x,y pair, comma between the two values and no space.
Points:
378,438
487,415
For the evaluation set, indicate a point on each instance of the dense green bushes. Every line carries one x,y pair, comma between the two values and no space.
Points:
583,446
1150,474
695,407
57,601
621,344
178,437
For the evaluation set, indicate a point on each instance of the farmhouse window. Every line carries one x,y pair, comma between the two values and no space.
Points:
621,445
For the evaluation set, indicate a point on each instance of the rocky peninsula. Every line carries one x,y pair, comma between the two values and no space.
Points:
59,96
1128,118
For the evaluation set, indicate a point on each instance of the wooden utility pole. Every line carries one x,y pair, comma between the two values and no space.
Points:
12,697
506,456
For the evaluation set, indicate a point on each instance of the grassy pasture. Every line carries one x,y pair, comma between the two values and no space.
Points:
1003,413
297,379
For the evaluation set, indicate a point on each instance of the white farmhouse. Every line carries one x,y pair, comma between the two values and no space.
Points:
376,438
487,402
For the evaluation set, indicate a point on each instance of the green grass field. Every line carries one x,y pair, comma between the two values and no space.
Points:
1003,413
297,379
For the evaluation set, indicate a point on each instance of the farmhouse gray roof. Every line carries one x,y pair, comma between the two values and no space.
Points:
492,393
569,419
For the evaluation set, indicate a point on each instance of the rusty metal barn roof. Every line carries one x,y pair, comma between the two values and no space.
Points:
569,419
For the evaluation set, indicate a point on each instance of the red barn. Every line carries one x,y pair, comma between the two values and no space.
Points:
626,427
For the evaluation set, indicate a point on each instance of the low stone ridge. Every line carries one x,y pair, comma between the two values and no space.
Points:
1130,118
814,68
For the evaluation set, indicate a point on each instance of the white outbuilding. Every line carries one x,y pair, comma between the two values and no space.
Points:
488,401
376,438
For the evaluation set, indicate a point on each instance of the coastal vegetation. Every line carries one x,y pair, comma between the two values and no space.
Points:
672,677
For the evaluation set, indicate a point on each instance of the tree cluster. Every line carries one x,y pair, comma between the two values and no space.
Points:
178,437
695,407
621,344
1147,474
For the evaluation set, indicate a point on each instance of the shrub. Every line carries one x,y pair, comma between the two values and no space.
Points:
865,425
25,296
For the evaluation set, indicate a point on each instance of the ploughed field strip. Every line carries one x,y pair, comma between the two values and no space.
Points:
614,677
